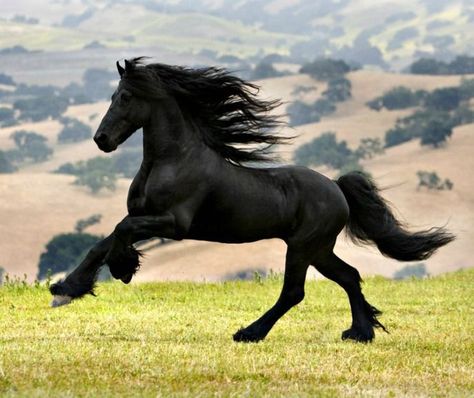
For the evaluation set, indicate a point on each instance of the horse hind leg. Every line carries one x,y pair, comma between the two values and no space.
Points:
292,293
364,315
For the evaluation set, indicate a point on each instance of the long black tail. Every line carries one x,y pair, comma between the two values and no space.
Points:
371,219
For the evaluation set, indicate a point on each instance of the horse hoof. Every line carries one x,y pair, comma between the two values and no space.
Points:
58,301
358,334
246,336
126,278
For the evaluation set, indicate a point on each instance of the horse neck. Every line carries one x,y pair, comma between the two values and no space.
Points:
169,135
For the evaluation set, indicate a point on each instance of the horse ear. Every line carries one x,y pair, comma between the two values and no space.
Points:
128,66
120,69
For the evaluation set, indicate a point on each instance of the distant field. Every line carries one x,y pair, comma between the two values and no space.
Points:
174,339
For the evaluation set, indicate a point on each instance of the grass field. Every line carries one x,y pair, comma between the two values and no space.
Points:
174,339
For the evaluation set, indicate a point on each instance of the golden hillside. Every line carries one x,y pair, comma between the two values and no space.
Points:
36,205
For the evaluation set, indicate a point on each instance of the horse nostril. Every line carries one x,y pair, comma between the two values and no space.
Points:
100,138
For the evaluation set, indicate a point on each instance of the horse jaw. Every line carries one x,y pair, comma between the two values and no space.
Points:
58,301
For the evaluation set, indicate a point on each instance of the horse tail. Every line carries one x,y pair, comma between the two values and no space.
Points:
371,219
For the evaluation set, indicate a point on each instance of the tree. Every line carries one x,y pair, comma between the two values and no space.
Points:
338,90
6,166
428,66
6,80
324,150
97,83
31,145
127,162
264,70
436,132
325,69
84,223
74,131
397,98
444,99
96,174
64,251
301,113
40,108
466,89
368,148
7,116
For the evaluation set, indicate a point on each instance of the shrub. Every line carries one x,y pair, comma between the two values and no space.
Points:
411,271
432,181
64,251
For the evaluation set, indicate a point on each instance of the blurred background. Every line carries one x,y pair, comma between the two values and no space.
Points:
382,86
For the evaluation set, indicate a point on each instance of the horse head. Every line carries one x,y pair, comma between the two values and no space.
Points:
126,114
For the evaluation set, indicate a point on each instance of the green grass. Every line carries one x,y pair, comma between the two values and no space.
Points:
174,339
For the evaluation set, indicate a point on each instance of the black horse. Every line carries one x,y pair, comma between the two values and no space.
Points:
195,182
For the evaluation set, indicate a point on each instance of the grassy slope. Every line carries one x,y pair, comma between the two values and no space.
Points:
182,32
174,339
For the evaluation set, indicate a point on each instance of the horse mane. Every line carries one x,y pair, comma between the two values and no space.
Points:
227,107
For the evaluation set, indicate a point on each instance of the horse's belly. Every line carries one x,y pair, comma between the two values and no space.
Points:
234,231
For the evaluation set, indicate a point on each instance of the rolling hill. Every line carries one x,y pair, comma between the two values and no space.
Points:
36,204
380,33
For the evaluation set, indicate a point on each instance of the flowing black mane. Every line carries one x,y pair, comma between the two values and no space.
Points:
226,106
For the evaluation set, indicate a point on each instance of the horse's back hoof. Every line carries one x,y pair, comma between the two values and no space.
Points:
59,301
358,334
246,336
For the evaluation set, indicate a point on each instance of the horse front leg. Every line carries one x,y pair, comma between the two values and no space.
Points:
82,279
122,258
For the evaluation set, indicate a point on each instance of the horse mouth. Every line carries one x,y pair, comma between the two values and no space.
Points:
107,149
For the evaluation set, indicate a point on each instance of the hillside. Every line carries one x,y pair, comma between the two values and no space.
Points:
44,194
174,339
384,33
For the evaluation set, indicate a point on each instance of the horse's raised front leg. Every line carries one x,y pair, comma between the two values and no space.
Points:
123,258
292,293
81,281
